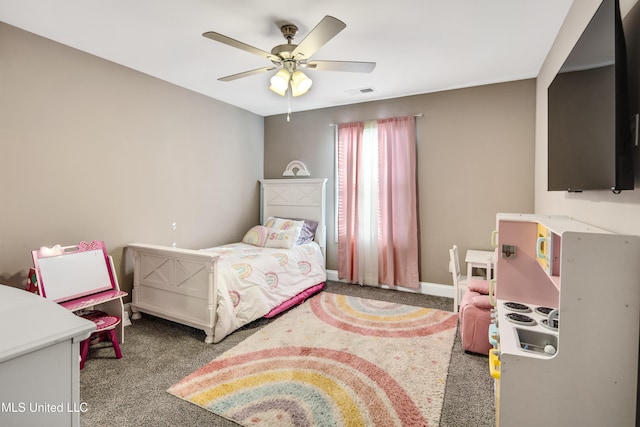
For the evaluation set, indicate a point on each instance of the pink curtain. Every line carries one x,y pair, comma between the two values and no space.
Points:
397,233
349,146
398,210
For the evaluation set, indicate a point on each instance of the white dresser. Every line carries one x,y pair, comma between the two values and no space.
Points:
39,361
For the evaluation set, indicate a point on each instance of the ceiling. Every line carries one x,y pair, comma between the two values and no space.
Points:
420,46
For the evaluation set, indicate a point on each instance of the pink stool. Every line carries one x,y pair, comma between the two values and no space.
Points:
106,327
475,318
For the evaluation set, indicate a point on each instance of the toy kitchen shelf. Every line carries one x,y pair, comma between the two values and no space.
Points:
592,277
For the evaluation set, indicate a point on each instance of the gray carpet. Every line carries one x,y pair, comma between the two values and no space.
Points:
158,353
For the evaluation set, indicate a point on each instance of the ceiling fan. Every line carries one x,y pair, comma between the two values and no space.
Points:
291,58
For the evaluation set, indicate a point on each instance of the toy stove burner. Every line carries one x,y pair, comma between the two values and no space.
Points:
543,311
520,319
545,323
517,307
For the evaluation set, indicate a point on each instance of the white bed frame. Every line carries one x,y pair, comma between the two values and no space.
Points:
179,284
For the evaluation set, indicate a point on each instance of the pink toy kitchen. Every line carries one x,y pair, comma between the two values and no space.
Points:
565,323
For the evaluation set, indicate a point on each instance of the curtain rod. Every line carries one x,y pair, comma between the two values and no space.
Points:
415,115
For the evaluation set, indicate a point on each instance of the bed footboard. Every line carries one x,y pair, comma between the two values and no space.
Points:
175,284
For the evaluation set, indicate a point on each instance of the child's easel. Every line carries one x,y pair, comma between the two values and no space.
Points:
80,277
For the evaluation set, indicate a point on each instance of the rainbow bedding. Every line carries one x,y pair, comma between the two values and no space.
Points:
253,281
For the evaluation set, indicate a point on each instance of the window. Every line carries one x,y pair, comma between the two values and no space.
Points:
377,204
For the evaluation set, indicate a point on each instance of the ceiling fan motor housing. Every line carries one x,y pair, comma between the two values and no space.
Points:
289,31
284,50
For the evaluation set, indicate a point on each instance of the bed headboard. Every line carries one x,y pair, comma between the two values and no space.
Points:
295,198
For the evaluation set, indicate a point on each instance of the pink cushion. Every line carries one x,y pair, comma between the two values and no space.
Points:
467,297
479,286
482,301
474,323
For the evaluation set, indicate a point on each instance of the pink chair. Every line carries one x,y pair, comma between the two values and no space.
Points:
105,330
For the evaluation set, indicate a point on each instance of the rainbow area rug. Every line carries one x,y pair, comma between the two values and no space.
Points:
335,360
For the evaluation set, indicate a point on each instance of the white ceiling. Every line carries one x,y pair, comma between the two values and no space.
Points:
419,46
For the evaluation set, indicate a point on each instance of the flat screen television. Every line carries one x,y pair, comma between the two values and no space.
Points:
590,144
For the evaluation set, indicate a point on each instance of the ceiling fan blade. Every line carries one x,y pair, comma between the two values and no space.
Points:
349,66
246,74
326,29
239,45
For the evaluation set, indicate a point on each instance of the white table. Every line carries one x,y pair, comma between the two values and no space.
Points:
479,259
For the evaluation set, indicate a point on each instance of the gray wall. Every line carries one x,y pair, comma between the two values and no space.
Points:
93,150
475,158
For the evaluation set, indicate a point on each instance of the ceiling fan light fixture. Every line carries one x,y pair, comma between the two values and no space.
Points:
278,91
280,82
300,83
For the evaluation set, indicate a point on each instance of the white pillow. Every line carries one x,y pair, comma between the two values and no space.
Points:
284,224
281,238
256,236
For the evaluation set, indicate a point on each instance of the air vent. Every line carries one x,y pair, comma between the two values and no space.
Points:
361,91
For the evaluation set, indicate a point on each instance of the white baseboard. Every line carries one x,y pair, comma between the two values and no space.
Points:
426,288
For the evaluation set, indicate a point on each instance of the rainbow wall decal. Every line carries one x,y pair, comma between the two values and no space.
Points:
296,168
